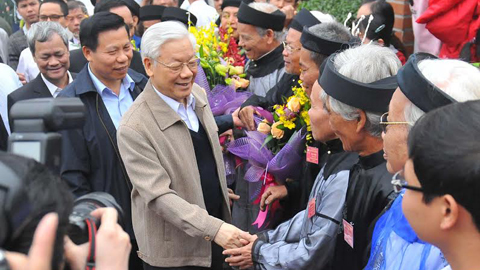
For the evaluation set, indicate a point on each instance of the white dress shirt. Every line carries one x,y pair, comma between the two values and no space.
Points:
187,114
27,65
55,90
205,14
10,83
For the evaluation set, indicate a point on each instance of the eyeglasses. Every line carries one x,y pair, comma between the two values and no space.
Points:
177,67
399,183
384,122
52,18
289,48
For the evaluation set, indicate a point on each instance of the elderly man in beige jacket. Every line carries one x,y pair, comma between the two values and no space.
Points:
169,143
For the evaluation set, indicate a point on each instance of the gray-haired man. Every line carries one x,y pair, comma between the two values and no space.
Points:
48,42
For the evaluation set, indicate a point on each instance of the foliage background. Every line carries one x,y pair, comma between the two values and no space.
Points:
338,8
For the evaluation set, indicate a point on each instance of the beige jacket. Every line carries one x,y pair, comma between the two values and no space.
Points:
170,222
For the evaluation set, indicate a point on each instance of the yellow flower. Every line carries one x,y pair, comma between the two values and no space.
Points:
264,128
294,104
276,132
289,124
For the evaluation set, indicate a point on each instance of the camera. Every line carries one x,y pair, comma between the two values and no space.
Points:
83,206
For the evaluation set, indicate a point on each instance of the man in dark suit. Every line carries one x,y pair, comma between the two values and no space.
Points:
107,88
129,13
48,42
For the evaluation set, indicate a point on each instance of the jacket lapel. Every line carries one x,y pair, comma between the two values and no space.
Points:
40,89
163,114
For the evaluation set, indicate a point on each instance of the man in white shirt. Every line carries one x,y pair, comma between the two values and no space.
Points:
48,43
10,82
205,14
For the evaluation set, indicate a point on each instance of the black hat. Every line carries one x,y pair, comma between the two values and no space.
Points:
314,43
249,15
417,88
231,3
371,97
304,18
178,14
151,12
133,6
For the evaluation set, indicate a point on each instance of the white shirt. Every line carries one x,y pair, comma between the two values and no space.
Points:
205,14
27,65
447,268
10,83
55,90
187,114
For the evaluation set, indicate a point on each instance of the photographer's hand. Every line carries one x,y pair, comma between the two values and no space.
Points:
113,243
41,251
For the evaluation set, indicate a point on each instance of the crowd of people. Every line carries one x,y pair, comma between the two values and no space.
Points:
389,179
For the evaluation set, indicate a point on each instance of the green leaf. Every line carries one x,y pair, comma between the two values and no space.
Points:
200,50
267,140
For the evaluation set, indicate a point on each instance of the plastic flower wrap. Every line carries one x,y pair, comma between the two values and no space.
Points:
276,149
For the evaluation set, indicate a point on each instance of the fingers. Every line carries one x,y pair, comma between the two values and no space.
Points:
247,236
41,251
232,251
263,201
108,216
232,195
246,115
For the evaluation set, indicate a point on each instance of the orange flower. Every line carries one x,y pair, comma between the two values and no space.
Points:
276,132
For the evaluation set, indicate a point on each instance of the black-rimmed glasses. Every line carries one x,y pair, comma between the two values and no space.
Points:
384,122
399,183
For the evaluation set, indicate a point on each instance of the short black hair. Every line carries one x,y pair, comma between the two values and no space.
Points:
17,2
45,193
445,151
106,5
90,28
63,5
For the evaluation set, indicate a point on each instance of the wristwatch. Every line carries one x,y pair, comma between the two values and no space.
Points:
3,261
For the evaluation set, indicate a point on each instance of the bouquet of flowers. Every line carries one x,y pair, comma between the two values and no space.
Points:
275,150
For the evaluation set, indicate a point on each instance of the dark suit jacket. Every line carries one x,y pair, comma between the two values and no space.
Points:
78,61
34,89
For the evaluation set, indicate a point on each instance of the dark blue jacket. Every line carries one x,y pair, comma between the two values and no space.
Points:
90,157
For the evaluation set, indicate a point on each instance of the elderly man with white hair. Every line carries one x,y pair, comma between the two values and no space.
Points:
425,83
357,87
169,143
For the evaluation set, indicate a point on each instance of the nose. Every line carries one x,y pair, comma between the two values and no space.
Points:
53,61
285,52
186,72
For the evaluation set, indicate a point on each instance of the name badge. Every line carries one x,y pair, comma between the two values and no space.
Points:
312,155
348,233
311,208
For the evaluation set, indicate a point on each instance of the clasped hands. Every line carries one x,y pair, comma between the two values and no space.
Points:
237,244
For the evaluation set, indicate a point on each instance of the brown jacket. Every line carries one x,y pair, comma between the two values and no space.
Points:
170,222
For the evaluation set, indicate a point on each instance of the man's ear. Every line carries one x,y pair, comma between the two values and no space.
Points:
381,42
87,52
450,212
362,121
149,65
135,21
270,35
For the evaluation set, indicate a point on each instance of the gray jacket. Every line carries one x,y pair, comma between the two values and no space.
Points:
16,44
305,242
266,72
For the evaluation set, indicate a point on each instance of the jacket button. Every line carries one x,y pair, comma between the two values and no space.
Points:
207,238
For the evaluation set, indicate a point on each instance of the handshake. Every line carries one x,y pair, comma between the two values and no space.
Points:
237,244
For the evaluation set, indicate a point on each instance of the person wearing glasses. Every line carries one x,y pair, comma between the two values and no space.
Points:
441,183
169,144
50,10
425,83
355,100
108,88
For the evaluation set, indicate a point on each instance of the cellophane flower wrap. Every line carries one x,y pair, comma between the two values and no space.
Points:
276,149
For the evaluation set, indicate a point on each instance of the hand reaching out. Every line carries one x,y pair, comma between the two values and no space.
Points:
242,257
272,194
228,236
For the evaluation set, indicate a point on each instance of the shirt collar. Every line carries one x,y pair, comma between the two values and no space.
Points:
127,82
52,87
175,105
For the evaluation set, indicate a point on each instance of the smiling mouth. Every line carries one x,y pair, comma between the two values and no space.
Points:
122,69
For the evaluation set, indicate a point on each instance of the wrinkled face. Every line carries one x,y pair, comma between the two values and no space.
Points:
52,58
395,137
309,71
28,9
111,59
291,52
255,46
167,3
229,18
174,84
282,3
52,12
125,13
321,129
147,24
344,129
74,18
421,216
